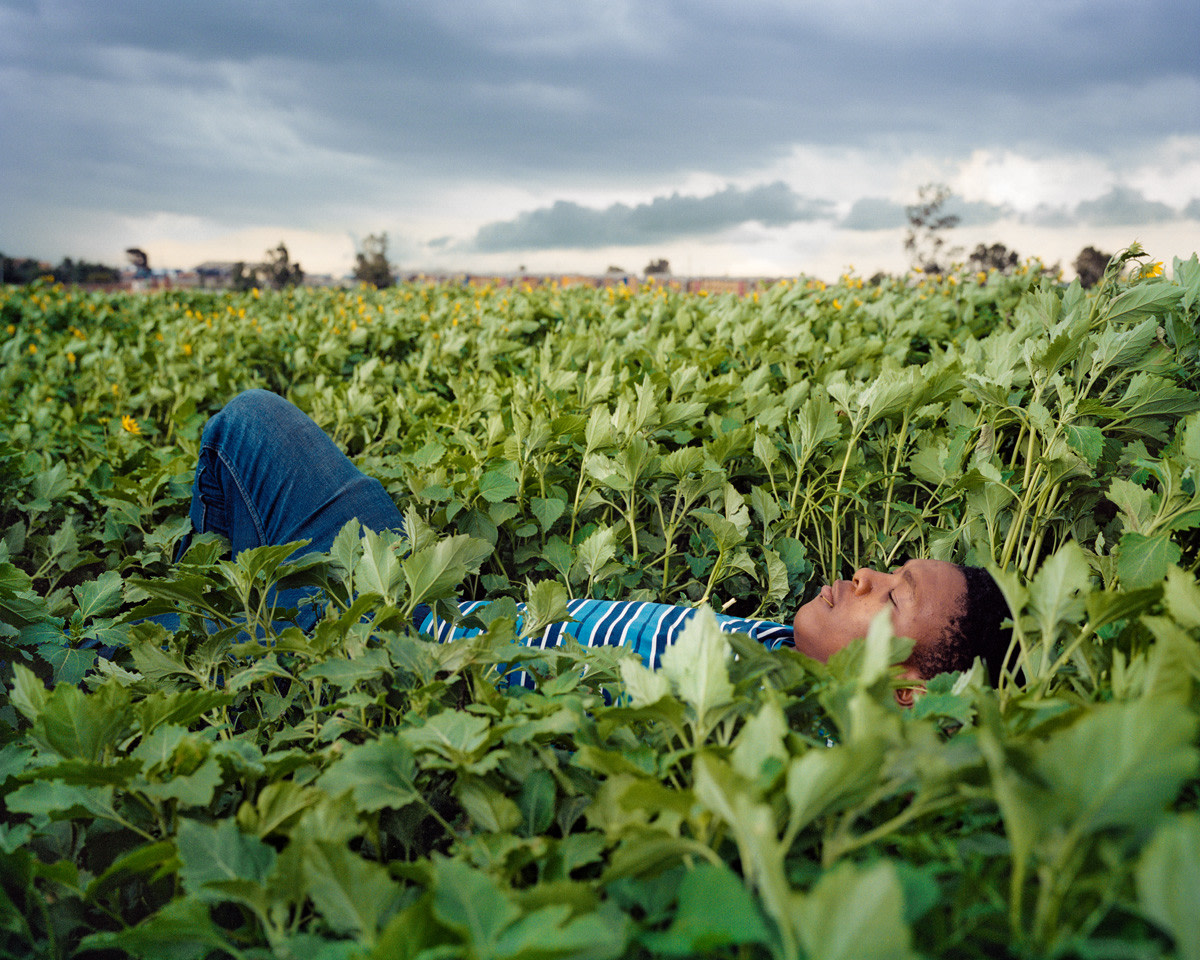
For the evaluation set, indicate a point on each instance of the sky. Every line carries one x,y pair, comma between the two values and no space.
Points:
747,138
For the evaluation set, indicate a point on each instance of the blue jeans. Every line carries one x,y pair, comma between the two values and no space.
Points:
267,474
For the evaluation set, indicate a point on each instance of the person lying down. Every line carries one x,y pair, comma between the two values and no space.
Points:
267,474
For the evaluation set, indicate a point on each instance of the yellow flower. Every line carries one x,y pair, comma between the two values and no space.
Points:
115,389
1153,269
187,349
130,425
32,349
837,304
11,329
70,357
158,336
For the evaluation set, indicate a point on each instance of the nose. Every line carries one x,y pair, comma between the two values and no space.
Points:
865,580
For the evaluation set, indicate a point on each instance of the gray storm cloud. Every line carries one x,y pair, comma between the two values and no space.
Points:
565,224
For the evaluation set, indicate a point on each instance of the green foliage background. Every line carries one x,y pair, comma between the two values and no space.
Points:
361,791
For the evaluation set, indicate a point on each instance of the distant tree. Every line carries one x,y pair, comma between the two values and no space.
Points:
657,267
243,278
20,270
81,271
995,257
928,222
1090,265
279,270
140,261
614,269
372,262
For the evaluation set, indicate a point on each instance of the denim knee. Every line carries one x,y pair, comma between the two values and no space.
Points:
248,406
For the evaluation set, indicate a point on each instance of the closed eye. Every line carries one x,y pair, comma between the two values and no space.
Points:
892,597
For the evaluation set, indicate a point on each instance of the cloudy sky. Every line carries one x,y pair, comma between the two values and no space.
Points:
729,136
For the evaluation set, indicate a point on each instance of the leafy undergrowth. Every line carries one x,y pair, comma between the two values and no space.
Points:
236,787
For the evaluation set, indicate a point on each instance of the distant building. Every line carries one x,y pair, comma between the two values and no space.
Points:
215,274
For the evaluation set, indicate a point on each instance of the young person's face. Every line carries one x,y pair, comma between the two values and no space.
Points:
924,597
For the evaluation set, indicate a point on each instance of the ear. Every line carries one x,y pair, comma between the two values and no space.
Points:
913,687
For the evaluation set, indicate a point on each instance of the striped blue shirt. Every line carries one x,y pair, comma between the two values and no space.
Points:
643,627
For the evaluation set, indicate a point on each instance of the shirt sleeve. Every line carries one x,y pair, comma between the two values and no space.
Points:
643,627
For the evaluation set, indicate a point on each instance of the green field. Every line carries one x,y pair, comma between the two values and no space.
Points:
361,791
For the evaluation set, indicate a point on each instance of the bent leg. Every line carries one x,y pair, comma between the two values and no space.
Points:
268,475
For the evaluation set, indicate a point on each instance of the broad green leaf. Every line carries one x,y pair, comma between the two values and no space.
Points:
78,725
547,510
1121,764
1151,396
1172,668
552,932
1143,560
1182,596
1168,882
698,927
29,695
644,686
761,742
434,572
100,596
854,913
468,902
178,707
347,547
347,674
724,531
1107,606
595,551
14,759
19,605
1086,441
1058,591
116,773
276,807
546,604
352,895
696,666
219,851
824,778
497,485
140,860
490,810
380,773
181,930
58,800
378,570
778,584
1140,300
191,789
454,735
536,802
258,566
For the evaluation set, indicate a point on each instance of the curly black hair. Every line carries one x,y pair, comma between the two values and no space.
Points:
978,631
